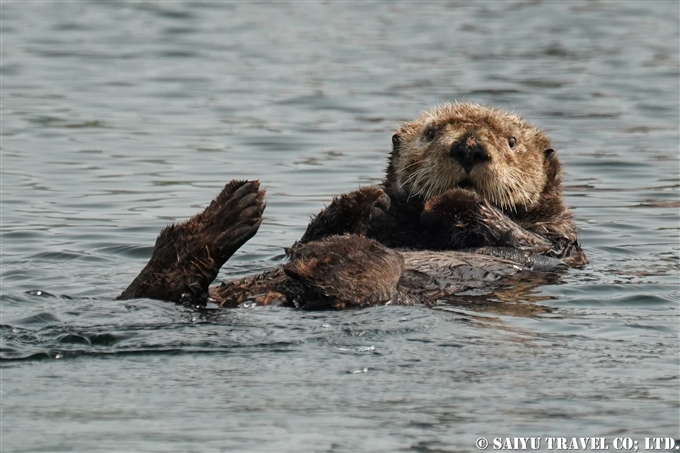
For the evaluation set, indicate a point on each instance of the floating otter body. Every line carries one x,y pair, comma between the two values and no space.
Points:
471,197
463,176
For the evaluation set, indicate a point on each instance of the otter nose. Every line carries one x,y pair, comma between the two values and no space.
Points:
468,152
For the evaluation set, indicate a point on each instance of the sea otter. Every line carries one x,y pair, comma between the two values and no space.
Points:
463,176
471,198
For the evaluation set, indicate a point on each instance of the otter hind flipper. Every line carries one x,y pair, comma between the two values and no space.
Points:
526,259
343,272
188,256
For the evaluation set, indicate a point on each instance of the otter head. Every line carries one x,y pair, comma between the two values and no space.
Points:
491,152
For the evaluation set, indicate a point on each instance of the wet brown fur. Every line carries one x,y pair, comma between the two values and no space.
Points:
510,197
188,256
453,184
338,272
512,179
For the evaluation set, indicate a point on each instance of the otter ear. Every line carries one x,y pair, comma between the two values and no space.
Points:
552,165
396,140
549,153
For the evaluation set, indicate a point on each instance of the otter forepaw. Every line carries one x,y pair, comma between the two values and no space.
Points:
453,220
351,213
364,203
456,206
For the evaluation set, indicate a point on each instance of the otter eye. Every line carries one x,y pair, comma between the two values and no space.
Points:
431,132
512,142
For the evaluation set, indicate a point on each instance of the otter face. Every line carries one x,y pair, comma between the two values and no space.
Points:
491,152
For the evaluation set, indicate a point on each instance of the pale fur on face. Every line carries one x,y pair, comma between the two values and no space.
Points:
512,177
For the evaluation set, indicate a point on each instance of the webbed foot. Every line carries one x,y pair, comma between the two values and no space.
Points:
343,272
188,256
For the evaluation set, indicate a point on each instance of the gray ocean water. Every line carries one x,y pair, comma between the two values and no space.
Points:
121,117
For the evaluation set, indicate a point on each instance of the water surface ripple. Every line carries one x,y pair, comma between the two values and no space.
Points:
120,117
